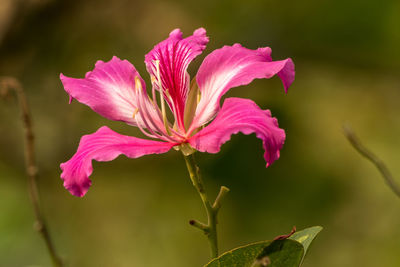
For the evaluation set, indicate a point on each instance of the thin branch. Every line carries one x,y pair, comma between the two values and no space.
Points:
221,195
200,225
380,165
8,84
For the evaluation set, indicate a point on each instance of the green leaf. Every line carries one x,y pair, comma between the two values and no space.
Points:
278,253
306,236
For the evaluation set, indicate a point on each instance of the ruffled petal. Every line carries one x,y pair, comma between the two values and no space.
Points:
103,145
241,115
109,90
173,56
233,66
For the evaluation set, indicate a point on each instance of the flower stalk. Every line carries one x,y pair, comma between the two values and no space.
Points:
209,229
7,84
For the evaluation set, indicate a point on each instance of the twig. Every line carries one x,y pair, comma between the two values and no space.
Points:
380,165
6,85
200,225
221,195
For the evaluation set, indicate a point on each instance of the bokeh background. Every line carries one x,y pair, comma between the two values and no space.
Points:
136,213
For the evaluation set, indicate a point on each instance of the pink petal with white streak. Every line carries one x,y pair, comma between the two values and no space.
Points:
241,115
103,145
109,90
232,66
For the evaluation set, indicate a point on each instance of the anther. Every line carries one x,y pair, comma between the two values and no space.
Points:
135,112
164,114
138,84
153,79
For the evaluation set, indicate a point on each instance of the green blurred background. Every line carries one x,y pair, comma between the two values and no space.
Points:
136,212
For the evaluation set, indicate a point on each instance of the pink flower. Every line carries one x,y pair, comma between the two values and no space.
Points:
115,90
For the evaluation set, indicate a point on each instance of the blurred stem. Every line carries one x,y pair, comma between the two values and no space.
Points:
209,229
380,165
7,84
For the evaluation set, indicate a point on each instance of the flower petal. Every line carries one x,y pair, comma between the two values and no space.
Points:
174,55
103,145
241,115
109,90
233,66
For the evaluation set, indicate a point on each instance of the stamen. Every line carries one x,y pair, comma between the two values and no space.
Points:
164,114
143,130
135,112
148,119
149,123
168,95
172,104
138,84
162,100
153,79
145,113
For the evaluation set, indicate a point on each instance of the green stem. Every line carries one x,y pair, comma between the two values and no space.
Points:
209,229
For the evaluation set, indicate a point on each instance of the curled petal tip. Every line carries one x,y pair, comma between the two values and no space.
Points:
176,33
63,78
76,187
77,190
287,74
97,64
200,31
266,51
